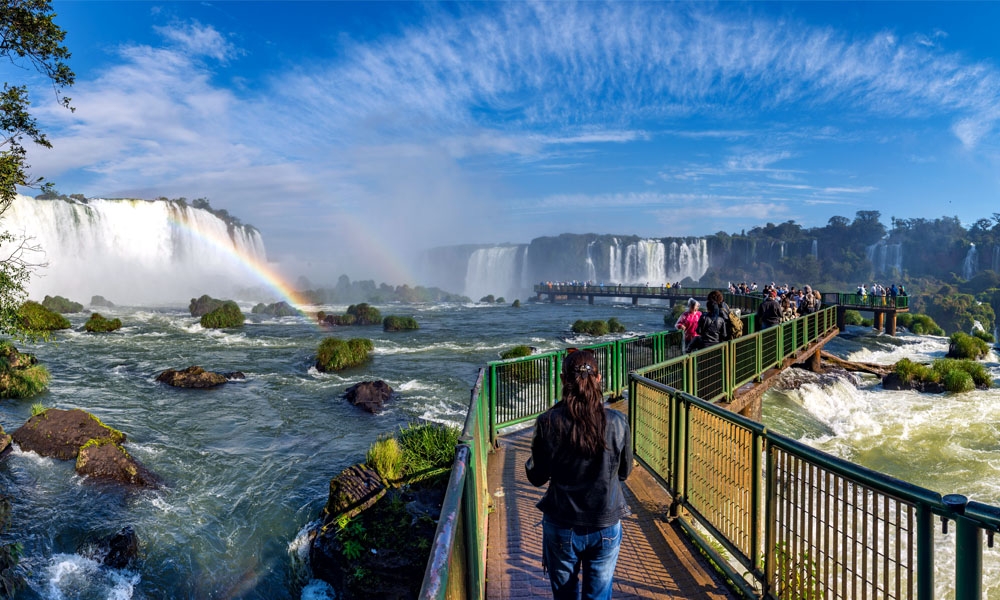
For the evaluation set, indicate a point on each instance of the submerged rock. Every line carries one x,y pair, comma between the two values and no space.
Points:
369,395
103,459
197,377
123,548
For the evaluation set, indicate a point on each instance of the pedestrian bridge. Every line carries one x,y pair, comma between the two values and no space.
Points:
777,518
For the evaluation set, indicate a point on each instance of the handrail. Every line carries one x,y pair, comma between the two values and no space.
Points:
808,524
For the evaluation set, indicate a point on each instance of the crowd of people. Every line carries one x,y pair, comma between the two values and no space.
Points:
878,291
715,324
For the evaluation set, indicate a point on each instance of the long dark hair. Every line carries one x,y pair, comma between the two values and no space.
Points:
584,401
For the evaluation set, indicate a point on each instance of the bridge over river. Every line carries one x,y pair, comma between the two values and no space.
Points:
722,507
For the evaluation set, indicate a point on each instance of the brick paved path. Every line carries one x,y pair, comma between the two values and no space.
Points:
656,560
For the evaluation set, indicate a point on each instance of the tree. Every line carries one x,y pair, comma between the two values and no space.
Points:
29,39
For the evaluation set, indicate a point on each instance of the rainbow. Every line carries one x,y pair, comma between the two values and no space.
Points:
260,270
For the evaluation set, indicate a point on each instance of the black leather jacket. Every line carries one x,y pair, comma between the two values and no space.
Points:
584,492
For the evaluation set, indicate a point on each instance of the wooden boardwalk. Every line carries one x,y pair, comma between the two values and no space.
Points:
656,559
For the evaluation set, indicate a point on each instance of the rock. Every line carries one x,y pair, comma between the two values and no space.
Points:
892,381
59,433
369,395
101,302
195,377
123,548
355,489
103,459
278,309
204,305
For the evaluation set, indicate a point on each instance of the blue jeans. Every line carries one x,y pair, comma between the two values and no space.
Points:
566,552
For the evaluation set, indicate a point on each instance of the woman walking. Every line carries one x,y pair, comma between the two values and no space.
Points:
584,452
688,323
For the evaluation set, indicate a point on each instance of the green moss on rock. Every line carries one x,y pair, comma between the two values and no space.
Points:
99,324
394,323
335,354
35,317
226,316
61,305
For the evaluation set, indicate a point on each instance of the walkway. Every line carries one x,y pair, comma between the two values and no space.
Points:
656,560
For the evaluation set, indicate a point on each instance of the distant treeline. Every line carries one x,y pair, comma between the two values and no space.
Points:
352,292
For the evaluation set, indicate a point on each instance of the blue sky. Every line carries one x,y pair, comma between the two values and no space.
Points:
354,134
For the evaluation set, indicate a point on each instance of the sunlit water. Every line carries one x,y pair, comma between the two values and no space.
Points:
247,465
948,443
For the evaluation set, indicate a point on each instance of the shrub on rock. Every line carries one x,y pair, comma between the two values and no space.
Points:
61,305
98,324
335,354
595,328
519,351
365,314
615,326
226,316
393,323
20,374
963,345
918,324
35,317
278,309
202,306
516,304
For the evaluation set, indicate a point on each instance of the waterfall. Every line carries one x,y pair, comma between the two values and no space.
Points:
970,264
525,283
492,271
133,251
615,263
815,249
655,263
781,250
591,270
996,262
887,259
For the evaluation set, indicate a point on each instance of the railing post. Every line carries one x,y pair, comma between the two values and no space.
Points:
770,501
679,424
968,551
925,552
491,400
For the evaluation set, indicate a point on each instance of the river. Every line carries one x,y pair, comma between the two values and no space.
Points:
247,465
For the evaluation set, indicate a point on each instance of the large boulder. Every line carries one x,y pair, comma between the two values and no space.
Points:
369,395
99,324
61,305
103,459
59,433
196,377
101,302
20,374
227,316
278,309
894,382
204,305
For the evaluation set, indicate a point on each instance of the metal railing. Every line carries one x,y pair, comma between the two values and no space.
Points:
867,302
799,523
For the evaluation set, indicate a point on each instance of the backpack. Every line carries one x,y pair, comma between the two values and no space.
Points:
735,324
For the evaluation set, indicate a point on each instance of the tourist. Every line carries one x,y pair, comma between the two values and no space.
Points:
688,323
769,311
788,311
808,305
713,326
584,452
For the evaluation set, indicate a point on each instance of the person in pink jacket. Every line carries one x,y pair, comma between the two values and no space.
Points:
688,323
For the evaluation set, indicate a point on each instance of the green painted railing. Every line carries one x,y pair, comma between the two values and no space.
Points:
767,503
799,523
867,302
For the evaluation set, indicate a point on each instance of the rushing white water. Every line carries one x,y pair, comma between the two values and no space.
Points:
815,249
591,270
652,262
995,265
492,271
971,262
948,443
132,251
886,258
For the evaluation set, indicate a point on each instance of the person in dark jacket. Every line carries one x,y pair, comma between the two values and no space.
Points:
584,452
769,312
713,327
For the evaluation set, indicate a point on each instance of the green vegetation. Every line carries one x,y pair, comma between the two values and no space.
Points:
797,576
853,317
615,326
488,299
501,300
20,374
595,328
200,307
392,323
519,351
357,314
963,345
426,448
36,318
61,305
98,324
386,457
277,309
954,375
516,304
984,335
351,292
919,324
37,408
335,354
226,316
